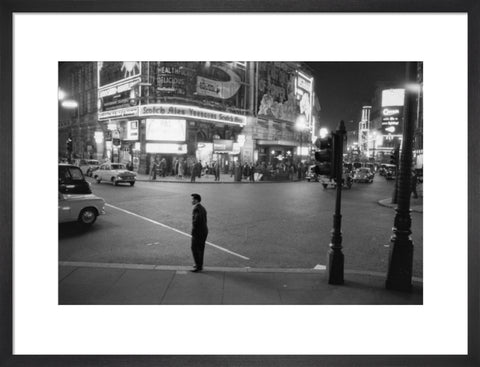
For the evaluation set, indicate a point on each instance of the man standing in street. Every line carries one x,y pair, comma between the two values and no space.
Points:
199,232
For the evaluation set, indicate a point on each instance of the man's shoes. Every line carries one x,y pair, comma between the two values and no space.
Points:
196,270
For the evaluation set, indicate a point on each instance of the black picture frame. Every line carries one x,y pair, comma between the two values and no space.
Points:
9,7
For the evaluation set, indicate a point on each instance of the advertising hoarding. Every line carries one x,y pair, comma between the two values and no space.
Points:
222,145
392,113
171,110
112,72
119,113
166,148
217,83
393,97
284,92
174,79
392,118
166,129
304,94
118,96
132,130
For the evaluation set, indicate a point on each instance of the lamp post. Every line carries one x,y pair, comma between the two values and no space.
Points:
69,104
335,257
400,264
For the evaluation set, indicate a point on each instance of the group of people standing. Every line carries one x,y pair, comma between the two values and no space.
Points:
195,169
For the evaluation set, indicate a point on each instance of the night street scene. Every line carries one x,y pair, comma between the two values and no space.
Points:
240,183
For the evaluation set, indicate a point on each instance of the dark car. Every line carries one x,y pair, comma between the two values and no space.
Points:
71,180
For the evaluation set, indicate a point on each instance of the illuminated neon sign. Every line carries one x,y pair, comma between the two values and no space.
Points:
170,110
390,112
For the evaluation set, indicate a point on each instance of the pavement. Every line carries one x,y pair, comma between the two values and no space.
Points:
127,284
142,284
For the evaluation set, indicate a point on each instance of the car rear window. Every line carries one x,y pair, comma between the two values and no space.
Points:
73,173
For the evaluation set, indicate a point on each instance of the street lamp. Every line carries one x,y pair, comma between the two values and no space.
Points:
323,132
69,104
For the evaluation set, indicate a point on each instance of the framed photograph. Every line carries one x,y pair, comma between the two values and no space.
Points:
141,148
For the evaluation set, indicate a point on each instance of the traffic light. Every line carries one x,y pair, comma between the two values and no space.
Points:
69,145
325,156
394,155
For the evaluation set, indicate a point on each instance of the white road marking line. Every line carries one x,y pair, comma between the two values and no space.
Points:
154,243
320,267
175,230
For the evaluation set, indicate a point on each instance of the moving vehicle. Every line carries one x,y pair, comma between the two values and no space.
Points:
71,180
75,199
363,174
81,208
312,173
384,168
87,165
347,180
115,173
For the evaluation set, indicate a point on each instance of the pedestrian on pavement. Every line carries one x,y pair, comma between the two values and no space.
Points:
246,171
193,172
182,168
199,232
414,184
199,168
175,167
163,167
216,171
153,171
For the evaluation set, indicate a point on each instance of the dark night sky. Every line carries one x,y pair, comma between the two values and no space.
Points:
344,87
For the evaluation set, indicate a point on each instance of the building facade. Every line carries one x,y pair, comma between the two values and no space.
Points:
187,111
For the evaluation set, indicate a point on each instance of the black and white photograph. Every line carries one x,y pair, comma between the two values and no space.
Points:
228,184
296,172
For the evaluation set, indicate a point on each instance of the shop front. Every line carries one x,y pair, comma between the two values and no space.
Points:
190,131
276,151
170,133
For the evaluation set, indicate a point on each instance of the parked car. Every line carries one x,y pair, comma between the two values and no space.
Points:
363,174
114,173
71,180
81,208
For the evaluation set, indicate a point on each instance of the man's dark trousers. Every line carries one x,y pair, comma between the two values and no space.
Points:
198,248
